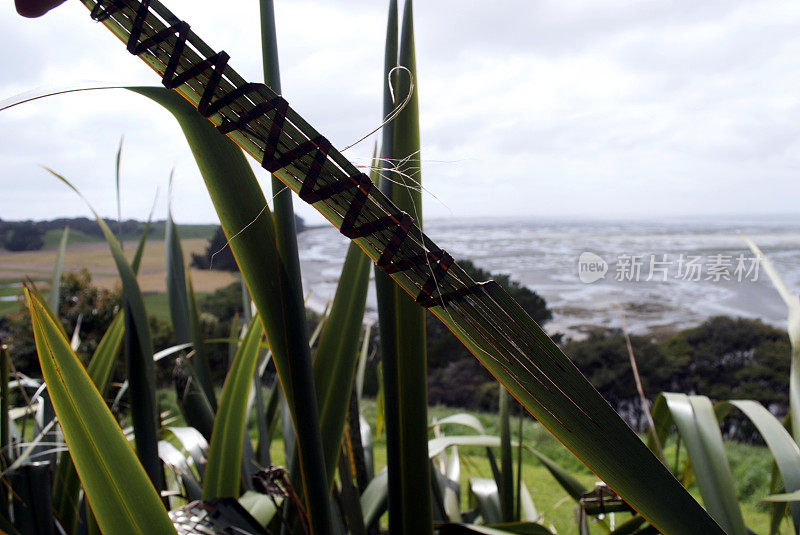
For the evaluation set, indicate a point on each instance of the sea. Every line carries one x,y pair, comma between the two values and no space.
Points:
656,276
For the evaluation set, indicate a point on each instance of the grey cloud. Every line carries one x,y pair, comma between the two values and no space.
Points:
540,107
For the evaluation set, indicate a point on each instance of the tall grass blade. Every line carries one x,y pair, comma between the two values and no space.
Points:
247,222
777,510
402,321
137,257
5,429
640,390
53,302
283,210
31,505
483,491
783,497
122,497
176,282
350,504
792,301
55,284
520,528
225,450
42,299
102,362
462,418
182,473
66,486
519,488
386,297
139,350
784,449
567,481
699,429
117,184
527,509
262,424
192,401
506,487
363,358
337,352
183,309
191,444
357,435
373,499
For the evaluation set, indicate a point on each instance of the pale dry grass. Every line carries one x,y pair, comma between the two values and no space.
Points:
97,259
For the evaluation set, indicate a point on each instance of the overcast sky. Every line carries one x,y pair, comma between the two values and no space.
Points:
528,108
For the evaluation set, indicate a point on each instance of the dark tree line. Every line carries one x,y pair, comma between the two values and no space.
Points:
21,236
29,235
723,358
97,307
218,254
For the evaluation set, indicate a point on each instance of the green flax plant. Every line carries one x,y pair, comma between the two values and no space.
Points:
402,321
697,420
489,323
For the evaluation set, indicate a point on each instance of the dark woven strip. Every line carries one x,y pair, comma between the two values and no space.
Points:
270,116
171,79
260,111
444,299
349,227
311,194
266,120
239,94
136,30
438,271
402,228
105,9
181,31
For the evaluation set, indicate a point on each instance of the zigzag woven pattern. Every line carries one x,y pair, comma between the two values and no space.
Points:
264,125
253,111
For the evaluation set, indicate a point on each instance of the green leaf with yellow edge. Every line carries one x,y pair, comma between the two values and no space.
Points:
402,321
183,308
222,475
506,486
117,487
698,426
139,353
66,486
248,224
55,284
783,448
337,352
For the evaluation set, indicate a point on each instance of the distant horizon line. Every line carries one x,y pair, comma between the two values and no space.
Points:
746,217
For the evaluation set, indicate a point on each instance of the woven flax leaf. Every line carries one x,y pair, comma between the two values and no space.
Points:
491,324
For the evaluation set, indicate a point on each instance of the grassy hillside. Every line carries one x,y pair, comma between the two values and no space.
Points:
86,252
750,466
187,232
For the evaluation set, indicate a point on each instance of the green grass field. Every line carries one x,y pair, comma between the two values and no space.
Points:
53,237
750,465
157,304
187,232
11,288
